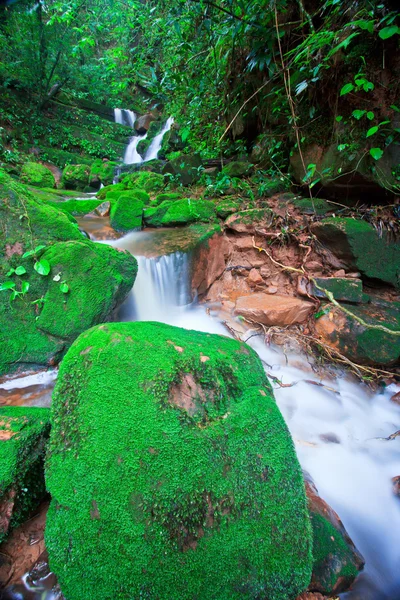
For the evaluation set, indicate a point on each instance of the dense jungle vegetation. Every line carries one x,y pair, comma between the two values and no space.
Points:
277,76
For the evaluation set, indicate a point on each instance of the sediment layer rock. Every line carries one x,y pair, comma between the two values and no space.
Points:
273,309
172,472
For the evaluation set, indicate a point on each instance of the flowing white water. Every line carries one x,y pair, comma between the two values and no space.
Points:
337,431
132,156
155,146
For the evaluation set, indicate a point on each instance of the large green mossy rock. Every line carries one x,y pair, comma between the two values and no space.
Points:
76,207
187,210
102,172
37,175
359,246
237,168
23,436
26,338
127,211
75,177
172,472
184,169
153,216
150,182
118,187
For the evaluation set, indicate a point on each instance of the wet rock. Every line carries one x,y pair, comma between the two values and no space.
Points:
396,485
188,210
75,177
357,244
209,261
103,209
342,289
37,175
237,169
143,123
358,342
185,168
187,459
249,221
126,212
23,435
337,561
254,278
273,310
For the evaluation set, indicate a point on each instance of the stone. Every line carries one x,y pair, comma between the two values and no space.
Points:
357,244
167,446
102,172
396,485
340,273
254,278
147,180
395,398
103,210
243,243
143,123
126,212
273,310
185,169
248,221
23,435
237,169
208,263
342,289
227,207
312,206
37,175
188,210
357,342
75,177
337,561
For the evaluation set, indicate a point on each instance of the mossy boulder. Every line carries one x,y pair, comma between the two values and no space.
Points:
76,207
343,289
87,268
358,245
226,207
185,169
126,212
188,210
150,182
102,172
359,342
37,175
75,177
118,187
237,168
172,472
23,436
312,206
153,215
154,129
166,197
155,165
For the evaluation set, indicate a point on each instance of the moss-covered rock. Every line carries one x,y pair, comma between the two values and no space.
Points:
28,225
358,342
37,175
150,182
312,206
172,472
185,169
237,169
155,165
154,129
343,289
226,207
75,177
248,221
188,210
62,158
166,197
23,436
102,172
359,246
118,187
153,215
76,207
126,212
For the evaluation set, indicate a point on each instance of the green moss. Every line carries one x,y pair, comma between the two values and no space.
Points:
166,197
313,206
188,210
346,290
118,187
154,129
209,501
37,175
102,171
236,169
127,211
75,177
76,207
185,169
150,182
61,158
153,216
226,207
23,435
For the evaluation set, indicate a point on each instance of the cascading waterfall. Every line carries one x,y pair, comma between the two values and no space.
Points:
155,146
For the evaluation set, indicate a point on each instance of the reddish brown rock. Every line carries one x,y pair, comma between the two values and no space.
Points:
395,398
273,309
254,278
209,263
396,485
103,209
251,221
143,123
244,242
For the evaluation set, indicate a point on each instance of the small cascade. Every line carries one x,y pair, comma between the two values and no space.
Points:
155,146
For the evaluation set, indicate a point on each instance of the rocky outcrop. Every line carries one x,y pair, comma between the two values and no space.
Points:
56,283
208,260
75,177
127,209
143,123
251,221
188,210
185,169
37,175
170,441
273,309
23,436
343,289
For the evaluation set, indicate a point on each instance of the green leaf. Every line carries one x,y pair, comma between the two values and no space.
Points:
365,25
342,147
357,114
7,285
64,287
339,118
370,115
29,253
388,32
372,131
376,153
25,286
20,270
10,272
42,267
346,89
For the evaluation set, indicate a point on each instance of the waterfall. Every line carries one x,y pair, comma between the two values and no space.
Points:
132,157
155,146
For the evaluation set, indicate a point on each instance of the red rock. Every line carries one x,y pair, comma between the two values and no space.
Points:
340,273
209,262
254,278
273,309
243,243
396,485
395,398
142,124
272,289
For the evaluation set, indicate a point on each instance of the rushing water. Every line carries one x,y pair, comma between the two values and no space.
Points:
132,156
337,423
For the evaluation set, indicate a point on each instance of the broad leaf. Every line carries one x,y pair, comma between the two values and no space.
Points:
372,131
348,87
388,32
20,270
25,286
42,267
376,153
7,285
357,114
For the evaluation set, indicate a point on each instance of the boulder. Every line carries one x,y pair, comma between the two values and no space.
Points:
55,283
23,436
150,182
358,342
359,247
185,169
249,221
153,216
102,172
273,309
143,123
312,206
126,213
168,454
75,177
37,175
226,207
166,197
337,561
208,263
103,209
118,187
237,169
188,210
155,165
343,289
